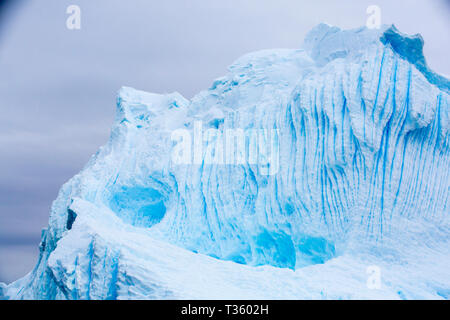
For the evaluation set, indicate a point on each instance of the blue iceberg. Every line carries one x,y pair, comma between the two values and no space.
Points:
360,180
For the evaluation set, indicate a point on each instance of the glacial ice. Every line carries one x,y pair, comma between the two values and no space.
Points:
363,180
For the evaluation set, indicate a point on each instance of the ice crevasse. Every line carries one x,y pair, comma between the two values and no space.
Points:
363,181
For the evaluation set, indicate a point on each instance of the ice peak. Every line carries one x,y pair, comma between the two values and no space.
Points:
410,48
325,43
135,105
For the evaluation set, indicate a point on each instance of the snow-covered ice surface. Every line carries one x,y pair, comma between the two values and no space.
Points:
363,181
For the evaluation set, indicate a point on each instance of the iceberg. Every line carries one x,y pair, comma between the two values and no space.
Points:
359,181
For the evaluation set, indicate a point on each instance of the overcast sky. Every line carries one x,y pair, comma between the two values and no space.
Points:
58,86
